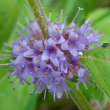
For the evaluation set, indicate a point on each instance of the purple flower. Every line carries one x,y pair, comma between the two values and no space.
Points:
51,52
55,32
33,31
64,65
20,45
58,87
36,50
73,44
85,28
83,76
49,62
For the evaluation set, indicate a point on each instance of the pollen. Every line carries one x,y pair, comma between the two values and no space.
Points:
71,45
79,36
35,72
55,46
54,38
40,50
37,59
70,36
45,61
45,73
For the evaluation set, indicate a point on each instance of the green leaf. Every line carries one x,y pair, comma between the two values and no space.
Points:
19,99
98,63
77,96
93,93
8,18
99,18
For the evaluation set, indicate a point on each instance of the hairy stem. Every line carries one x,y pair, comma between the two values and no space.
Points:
78,97
39,15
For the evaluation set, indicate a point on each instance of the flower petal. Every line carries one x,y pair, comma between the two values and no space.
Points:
54,60
64,46
74,51
44,56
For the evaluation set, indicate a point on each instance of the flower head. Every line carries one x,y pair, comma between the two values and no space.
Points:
49,62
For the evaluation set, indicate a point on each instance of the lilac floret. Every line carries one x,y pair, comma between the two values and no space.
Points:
83,76
51,52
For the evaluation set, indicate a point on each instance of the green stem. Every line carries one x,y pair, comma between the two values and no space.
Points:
39,15
75,95
78,97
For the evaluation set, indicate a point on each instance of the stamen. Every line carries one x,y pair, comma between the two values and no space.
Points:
84,85
65,20
7,51
54,96
50,15
26,19
56,18
44,94
103,25
4,55
5,64
66,94
20,33
21,25
77,14
61,14
7,45
28,10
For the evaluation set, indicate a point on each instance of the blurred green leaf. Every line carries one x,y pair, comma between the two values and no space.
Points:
9,13
19,99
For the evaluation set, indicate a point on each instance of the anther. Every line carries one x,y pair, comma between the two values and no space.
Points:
50,14
45,73
71,45
37,59
54,38
40,50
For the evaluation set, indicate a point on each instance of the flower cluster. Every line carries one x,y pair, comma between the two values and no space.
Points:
49,62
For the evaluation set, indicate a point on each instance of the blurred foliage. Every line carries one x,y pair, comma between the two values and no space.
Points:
12,11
